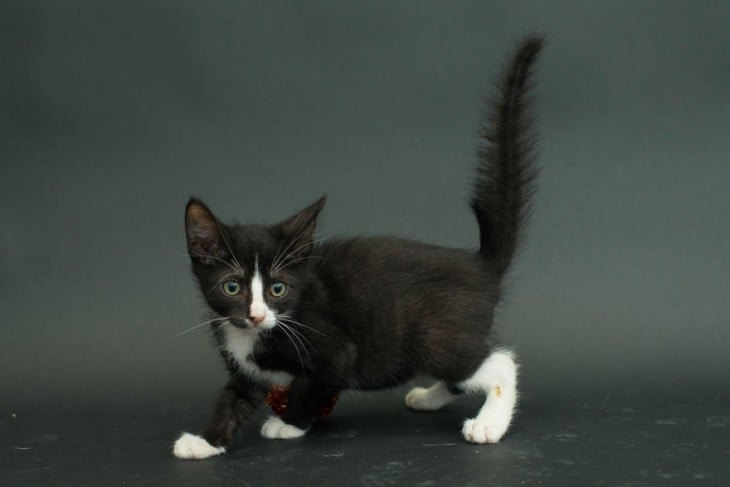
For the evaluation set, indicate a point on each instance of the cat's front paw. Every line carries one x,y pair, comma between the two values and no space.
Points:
276,429
483,431
193,447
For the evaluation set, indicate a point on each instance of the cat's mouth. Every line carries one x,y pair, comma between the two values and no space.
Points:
246,324
242,323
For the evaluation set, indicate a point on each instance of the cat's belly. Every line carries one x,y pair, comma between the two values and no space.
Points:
239,344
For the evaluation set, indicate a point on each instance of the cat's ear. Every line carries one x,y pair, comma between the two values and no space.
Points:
203,231
299,228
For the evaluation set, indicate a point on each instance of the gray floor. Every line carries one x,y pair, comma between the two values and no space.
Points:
373,440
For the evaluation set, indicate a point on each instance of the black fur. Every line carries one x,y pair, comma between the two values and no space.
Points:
372,312
505,175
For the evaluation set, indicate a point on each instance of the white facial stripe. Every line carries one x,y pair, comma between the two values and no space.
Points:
258,306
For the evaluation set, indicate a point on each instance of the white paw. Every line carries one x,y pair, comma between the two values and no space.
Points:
431,399
419,398
276,429
194,447
483,431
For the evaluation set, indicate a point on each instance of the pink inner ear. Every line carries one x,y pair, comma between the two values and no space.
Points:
298,229
205,250
202,241
203,233
303,222
209,247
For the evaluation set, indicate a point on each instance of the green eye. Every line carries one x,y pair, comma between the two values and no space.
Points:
231,288
278,289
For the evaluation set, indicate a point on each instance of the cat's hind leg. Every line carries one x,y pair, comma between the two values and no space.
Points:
497,377
431,399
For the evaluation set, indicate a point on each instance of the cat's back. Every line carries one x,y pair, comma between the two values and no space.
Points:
394,268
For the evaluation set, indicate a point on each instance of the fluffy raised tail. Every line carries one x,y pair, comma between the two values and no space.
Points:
504,183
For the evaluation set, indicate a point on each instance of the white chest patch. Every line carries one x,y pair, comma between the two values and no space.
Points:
239,344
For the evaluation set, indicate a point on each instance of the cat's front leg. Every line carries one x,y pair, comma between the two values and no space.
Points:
305,404
238,400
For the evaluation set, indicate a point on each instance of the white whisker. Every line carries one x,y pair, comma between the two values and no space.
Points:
282,257
237,269
302,338
282,261
276,256
185,332
299,338
233,256
291,320
296,349
300,259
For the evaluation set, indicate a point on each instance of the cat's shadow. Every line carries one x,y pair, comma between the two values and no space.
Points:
385,416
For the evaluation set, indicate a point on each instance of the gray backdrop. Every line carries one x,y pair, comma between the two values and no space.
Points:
113,113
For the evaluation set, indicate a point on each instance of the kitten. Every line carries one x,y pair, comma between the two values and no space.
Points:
371,312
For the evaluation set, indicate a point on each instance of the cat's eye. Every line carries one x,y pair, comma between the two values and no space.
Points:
231,288
278,289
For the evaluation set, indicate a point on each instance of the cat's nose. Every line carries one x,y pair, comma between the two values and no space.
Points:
256,319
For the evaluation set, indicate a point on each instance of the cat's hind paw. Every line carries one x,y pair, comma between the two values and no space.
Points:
419,399
276,429
193,447
431,399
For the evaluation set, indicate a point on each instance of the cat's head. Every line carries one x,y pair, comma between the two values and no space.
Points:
252,274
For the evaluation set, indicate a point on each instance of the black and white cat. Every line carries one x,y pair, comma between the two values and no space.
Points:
371,312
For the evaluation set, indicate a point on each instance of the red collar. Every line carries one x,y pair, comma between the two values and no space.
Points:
278,396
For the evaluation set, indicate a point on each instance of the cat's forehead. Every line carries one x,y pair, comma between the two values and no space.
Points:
254,244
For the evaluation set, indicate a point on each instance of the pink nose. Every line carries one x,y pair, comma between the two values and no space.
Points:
256,319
